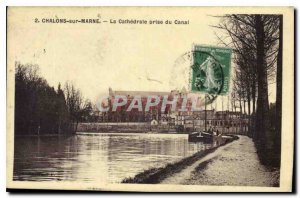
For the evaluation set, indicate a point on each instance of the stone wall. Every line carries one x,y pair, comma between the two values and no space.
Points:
123,127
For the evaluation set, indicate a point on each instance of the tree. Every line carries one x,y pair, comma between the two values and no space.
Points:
255,40
262,117
279,87
39,109
62,110
74,102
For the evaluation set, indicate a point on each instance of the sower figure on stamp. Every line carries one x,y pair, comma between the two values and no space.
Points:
207,66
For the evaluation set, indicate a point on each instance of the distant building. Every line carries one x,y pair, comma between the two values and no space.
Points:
223,121
121,115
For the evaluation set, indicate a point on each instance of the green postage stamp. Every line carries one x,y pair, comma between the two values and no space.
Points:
211,70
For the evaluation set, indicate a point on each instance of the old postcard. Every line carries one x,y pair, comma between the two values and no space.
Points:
150,99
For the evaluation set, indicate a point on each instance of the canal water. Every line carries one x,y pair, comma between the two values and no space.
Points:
97,157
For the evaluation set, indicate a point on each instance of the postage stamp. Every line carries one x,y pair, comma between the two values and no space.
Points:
211,70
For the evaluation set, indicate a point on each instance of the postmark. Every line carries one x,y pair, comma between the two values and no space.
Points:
204,70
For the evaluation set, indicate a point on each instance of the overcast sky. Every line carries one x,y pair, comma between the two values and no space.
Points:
98,56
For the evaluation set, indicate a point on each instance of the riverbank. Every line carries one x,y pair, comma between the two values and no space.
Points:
146,127
236,164
157,175
45,135
125,127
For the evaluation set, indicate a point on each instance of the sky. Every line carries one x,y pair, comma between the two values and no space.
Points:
97,56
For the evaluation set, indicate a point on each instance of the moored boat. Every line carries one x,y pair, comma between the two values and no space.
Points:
200,137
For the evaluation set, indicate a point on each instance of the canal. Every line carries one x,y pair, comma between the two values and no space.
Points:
97,157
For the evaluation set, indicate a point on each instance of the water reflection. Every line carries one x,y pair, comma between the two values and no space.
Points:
93,157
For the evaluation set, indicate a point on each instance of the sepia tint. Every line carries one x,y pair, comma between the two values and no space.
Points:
152,99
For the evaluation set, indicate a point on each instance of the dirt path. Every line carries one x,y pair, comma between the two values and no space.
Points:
235,164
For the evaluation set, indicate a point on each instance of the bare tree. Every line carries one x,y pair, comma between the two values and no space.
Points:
279,87
255,40
74,101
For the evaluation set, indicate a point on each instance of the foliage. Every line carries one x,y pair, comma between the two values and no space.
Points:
40,109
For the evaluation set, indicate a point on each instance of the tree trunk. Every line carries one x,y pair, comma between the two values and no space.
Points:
254,96
253,120
244,102
249,96
279,87
262,117
241,107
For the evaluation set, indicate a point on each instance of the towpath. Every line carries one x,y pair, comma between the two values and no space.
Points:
235,164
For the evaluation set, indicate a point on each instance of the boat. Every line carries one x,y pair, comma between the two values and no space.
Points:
200,137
